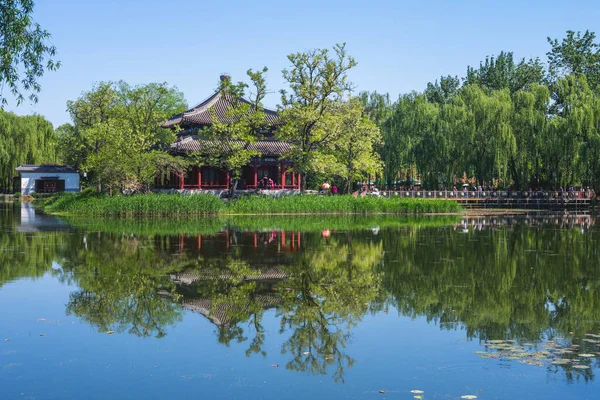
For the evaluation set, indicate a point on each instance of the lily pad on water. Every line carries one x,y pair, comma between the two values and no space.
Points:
580,366
383,391
110,332
468,396
586,355
560,361
416,391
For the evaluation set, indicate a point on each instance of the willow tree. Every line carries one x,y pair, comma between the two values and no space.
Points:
318,81
530,129
574,122
490,137
429,150
24,140
398,136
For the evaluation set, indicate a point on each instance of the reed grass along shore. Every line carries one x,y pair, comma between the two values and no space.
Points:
91,203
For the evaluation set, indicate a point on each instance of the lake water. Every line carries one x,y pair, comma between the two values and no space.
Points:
497,307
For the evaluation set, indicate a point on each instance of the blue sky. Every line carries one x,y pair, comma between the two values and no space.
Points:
399,45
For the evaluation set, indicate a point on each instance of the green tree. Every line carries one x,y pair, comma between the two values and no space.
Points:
489,131
501,72
443,91
25,51
117,132
318,81
530,125
354,150
575,54
24,140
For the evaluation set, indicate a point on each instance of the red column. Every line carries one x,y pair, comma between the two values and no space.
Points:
199,177
298,180
181,180
282,176
255,175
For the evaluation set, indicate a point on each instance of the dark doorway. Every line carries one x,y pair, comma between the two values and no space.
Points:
49,185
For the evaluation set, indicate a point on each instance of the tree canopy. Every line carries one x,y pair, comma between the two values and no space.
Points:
25,51
506,123
24,140
116,134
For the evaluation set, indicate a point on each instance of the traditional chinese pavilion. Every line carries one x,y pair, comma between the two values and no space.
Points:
189,139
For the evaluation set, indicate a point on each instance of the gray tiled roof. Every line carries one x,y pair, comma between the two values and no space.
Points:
194,143
201,114
46,168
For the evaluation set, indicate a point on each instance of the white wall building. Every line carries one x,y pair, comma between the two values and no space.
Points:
48,179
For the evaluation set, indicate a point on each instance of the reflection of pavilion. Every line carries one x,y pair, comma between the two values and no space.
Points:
285,241
267,275
225,313
221,315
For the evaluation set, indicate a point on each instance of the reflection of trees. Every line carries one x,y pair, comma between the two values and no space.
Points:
320,294
514,282
509,281
26,254
124,286
326,295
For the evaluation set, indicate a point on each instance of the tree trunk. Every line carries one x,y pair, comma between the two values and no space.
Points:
233,188
303,183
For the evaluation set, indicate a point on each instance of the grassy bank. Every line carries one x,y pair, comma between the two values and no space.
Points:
90,203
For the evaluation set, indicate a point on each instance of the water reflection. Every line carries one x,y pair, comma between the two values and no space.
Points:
530,279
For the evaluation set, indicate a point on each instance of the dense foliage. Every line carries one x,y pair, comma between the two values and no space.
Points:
24,140
329,132
116,134
506,123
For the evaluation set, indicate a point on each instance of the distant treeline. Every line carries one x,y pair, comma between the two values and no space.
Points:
24,140
525,123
